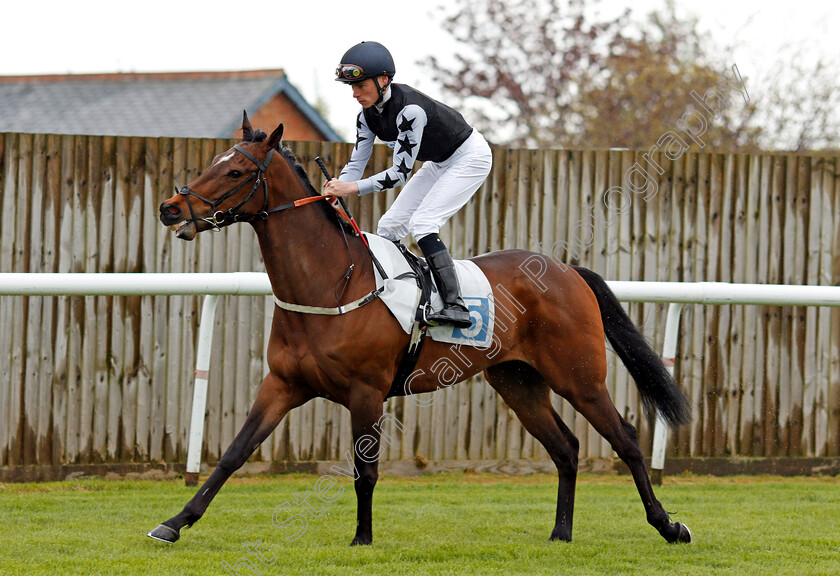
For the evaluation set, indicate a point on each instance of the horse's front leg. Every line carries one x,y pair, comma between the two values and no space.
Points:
274,400
365,416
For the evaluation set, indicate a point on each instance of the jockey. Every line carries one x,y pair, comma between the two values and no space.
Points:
456,161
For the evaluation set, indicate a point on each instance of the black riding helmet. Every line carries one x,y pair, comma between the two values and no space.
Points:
366,60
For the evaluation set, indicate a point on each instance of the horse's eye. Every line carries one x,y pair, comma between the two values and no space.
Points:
234,174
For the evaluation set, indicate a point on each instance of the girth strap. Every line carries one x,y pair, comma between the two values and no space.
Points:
335,311
409,361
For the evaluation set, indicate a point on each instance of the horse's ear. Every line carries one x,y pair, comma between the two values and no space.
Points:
247,131
275,137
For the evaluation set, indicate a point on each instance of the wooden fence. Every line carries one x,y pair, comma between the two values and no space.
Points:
109,379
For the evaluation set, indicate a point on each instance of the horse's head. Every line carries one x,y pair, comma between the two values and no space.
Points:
232,189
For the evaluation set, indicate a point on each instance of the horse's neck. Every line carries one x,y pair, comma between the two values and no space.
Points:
306,257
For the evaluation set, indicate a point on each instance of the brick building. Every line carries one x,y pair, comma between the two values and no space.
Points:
181,104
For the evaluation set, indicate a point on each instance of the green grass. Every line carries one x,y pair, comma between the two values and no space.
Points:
441,524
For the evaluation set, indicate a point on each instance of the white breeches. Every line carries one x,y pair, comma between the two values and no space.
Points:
437,191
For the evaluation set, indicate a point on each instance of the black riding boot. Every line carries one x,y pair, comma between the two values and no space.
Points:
440,262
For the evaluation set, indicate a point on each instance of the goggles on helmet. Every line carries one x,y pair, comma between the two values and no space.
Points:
349,72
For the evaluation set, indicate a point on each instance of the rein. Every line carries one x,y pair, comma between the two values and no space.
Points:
232,215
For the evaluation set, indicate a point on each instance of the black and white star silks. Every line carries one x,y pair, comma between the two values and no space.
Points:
411,121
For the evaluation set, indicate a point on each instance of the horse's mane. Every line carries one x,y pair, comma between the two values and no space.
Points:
289,157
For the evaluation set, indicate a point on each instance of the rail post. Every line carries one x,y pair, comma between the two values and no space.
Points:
202,372
669,355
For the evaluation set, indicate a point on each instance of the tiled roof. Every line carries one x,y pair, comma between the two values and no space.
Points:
193,104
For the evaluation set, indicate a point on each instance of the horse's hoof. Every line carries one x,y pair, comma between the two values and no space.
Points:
560,537
685,533
165,534
357,541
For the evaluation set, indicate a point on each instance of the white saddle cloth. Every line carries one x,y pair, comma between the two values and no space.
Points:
402,296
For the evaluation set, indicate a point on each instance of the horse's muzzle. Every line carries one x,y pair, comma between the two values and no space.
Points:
171,215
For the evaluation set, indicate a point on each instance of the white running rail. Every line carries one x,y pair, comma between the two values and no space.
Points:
212,285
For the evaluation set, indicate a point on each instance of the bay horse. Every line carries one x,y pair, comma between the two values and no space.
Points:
557,346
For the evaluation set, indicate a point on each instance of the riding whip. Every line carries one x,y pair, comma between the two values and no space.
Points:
326,173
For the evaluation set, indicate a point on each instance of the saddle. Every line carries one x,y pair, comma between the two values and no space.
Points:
405,285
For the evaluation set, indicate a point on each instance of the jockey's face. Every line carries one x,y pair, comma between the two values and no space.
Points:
365,92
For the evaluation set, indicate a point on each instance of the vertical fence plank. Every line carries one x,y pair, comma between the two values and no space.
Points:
160,382
752,389
786,361
700,222
812,265
774,351
49,323
100,236
827,217
19,322
173,379
66,352
124,424
139,442
87,254
834,344
798,337
762,359
711,387
108,174
737,334
726,332
75,245
8,150
30,181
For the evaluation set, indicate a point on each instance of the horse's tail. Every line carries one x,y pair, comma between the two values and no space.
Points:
657,387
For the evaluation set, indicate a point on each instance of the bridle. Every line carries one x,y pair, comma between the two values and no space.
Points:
232,215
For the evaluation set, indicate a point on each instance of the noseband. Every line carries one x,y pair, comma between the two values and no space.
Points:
231,215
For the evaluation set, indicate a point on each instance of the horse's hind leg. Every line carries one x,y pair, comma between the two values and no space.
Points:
593,401
273,402
525,391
